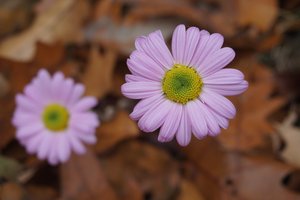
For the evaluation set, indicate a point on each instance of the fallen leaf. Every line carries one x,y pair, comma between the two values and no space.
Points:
98,76
290,134
38,192
231,175
112,132
62,21
152,168
12,191
188,191
82,178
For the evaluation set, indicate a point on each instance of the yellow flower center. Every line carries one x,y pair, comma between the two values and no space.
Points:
182,84
55,117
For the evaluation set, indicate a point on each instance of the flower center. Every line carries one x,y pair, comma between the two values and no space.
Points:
55,117
182,84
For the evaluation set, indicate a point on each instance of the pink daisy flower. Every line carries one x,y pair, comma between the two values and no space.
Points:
52,119
182,92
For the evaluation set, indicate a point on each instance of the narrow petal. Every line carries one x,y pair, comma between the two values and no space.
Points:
22,118
135,78
216,61
76,93
143,65
170,126
146,104
218,103
67,88
84,104
53,155
75,143
228,89
178,44
197,119
89,118
222,121
211,122
141,90
224,76
32,146
56,85
184,132
29,130
192,39
207,46
63,147
25,103
154,118
45,147
85,137
159,49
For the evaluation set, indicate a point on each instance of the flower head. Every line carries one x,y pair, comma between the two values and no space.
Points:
182,92
52,118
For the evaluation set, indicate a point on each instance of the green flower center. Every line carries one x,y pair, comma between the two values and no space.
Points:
55,117
182,84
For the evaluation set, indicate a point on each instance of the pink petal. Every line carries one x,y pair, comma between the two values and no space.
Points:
154,118
144,105
76,93
29,130
216,61
208,45
170,126
84,104
88,118
22,118
75,143
228,89
34,143
45,147
142,65
25,103
66,90
218,103
56,85
63,148
197,119
53,155
192,39
85,137
224,76
134,78
211,122
184,132
178,44
141,90
222,121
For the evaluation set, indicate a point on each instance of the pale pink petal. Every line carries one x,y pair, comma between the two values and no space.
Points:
26,104
134,78
29,130
22,118
53,154
85,137
56,86
197,119
207,46
216,61
211,122
66,90
218,103
141,90
192,39
146,104
46,144
178,44
184,132
63,147
76,93
224,76
154,118
159,49
222,121
75,143
172,121
89,118
142,65
84,104
32,92
228,89
34,143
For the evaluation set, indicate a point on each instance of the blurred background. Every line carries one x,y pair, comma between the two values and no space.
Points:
256,158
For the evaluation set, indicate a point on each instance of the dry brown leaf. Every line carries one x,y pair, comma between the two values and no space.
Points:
154,170
291,137
12,191
62,21
37,192
82,178
251,126
112,132
98,77
230,175
188,191
261,14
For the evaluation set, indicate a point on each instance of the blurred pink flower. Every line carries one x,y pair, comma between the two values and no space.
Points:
52,118
182,92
